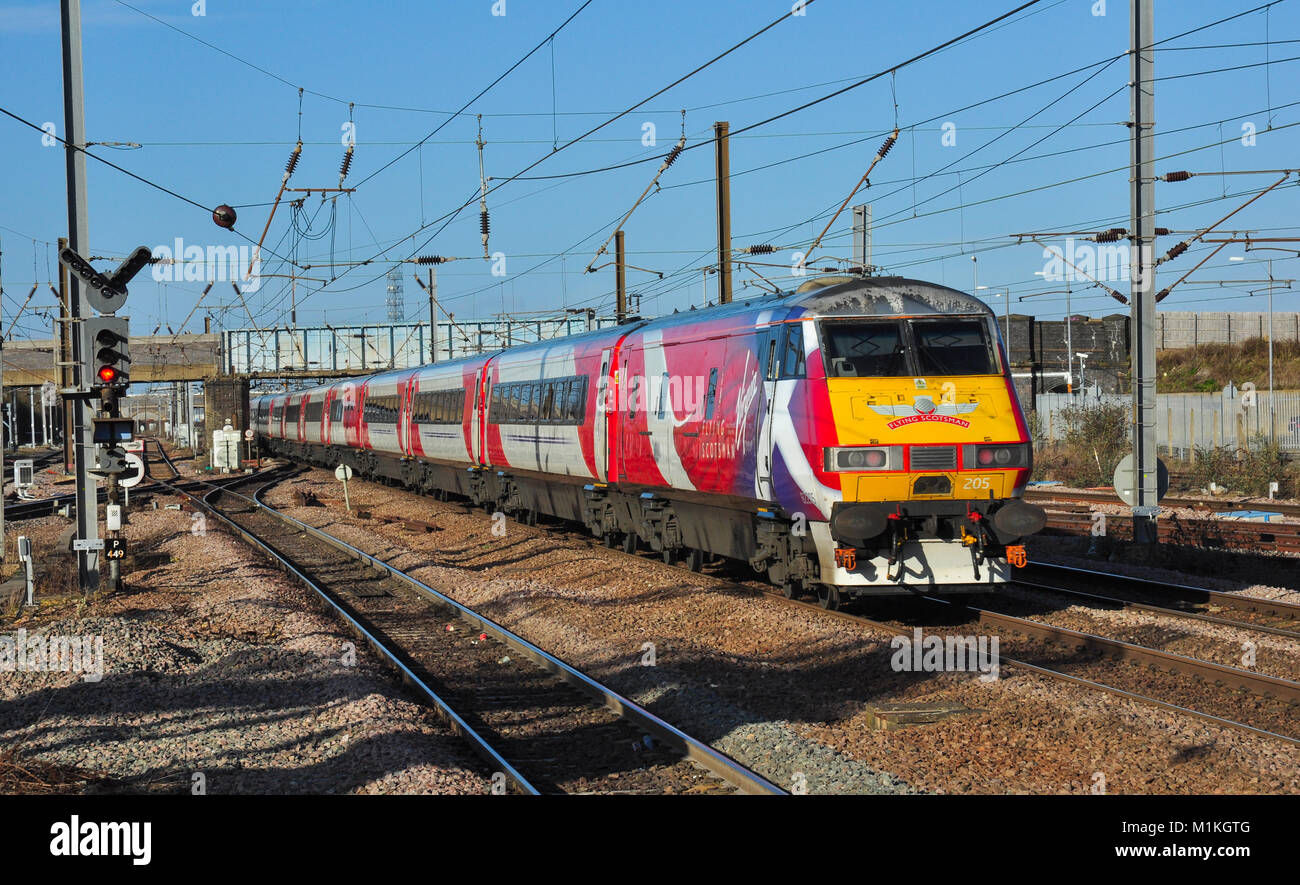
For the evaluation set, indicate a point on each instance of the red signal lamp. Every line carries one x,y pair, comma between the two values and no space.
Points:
107,374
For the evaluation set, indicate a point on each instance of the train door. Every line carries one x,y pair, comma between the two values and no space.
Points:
626,425
663,442
327,417
476,429
600,432
404,415
768,363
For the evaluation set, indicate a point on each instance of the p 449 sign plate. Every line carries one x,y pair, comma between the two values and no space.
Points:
115,548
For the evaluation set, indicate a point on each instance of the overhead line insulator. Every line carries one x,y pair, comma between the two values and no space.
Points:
292,164
345,166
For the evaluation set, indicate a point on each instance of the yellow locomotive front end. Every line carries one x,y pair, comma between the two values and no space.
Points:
931,449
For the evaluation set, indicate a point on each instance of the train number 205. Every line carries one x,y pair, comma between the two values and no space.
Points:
977,482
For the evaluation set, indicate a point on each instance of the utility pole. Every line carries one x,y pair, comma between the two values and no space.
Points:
1142,270
2,387
432,289
74,131
1006,293
1271,411
862,239
433,314
721,134
67,376
620,279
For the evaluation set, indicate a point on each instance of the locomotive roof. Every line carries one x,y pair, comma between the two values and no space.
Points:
884,296
849,296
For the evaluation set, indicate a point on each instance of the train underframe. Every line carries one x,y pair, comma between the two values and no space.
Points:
864,550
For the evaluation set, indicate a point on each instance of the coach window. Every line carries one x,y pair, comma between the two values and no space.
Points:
632,395
548,401
525,403
711,397
577,400
510,404
792,363
664,403
500,404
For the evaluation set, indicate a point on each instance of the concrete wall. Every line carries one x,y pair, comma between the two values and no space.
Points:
1179,329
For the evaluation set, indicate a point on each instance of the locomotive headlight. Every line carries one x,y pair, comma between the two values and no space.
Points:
864,458
996,457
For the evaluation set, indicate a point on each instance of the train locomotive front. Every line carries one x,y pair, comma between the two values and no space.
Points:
857,436
925,449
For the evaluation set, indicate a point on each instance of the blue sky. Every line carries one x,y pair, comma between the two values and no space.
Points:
217,131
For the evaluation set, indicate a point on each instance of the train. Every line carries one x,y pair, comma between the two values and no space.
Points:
853,436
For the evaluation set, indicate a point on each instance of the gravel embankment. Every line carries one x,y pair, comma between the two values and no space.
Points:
216,665
787,691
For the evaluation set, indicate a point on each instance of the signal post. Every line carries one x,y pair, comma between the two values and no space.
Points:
104,365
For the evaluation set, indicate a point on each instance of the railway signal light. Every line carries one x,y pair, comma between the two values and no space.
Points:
105,353
106,292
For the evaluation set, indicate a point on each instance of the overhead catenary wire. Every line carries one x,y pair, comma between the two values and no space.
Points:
516,274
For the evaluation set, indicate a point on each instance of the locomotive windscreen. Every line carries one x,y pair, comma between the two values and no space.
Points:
953,347
894,348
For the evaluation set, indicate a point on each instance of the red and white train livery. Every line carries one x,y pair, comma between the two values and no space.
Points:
859,435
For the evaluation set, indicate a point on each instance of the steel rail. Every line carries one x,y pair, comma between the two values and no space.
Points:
1257,683
715,762
1255,604
1107,497
1157,610
458,725
697,751
1013,662
1058,675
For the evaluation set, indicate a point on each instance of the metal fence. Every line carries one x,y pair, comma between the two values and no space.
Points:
324,349
1231,418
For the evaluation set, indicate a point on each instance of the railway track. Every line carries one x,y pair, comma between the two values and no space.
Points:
541,725
1215,534
1269,616
23,510
1206,505
1251,702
